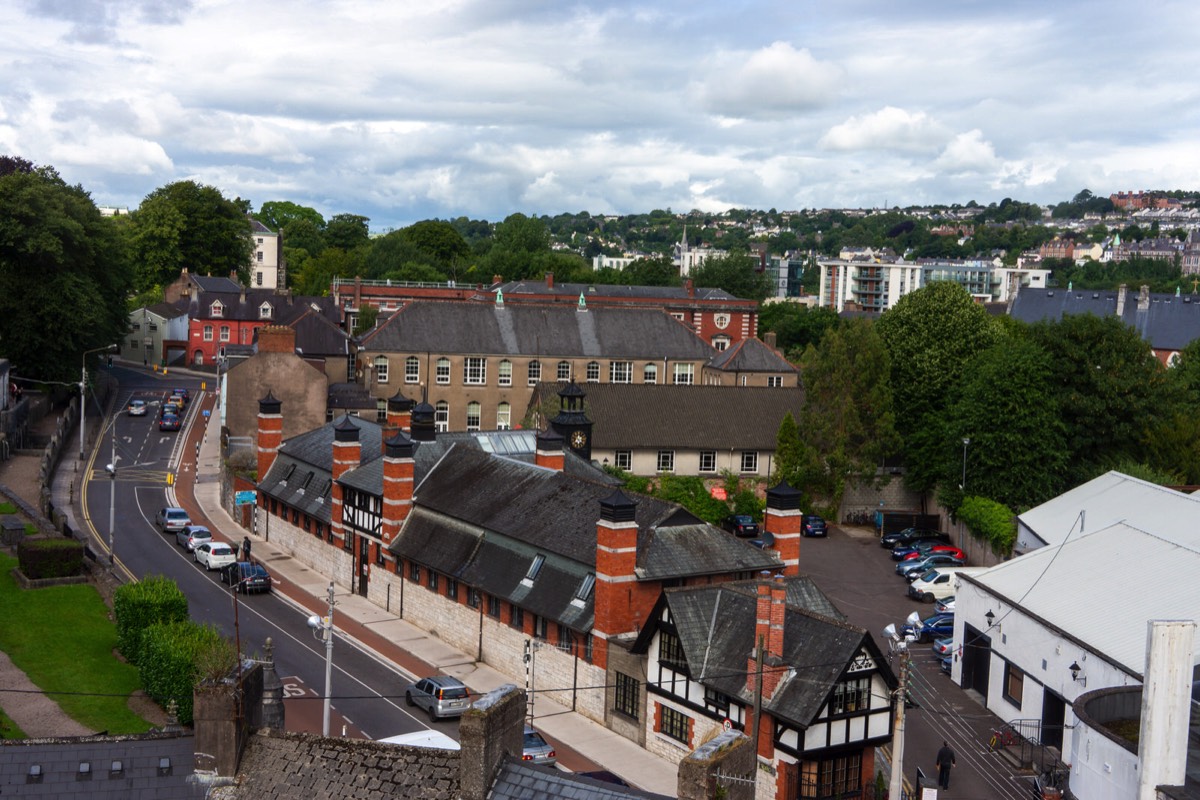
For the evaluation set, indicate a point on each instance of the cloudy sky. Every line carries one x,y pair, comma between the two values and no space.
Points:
404,110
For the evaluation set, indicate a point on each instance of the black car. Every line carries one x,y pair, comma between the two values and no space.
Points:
907,535
740,525
812,525
247,576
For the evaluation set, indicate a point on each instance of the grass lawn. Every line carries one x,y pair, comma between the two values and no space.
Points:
63,640
9,729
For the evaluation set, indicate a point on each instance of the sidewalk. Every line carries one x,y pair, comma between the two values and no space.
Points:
411,650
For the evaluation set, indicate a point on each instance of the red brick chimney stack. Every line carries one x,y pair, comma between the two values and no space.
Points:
549,453
616,562
347,453
399,417
549,280
270,432
397,484
276,339
783,520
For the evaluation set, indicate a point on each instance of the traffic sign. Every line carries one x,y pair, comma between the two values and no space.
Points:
245,498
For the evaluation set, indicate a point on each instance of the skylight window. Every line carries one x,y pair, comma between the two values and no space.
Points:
534,568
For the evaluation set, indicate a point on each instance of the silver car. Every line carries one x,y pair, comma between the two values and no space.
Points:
537,750
172,519
441,696
192,536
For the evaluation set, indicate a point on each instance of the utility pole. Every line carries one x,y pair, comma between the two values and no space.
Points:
758,669
112,499
897,783
325,627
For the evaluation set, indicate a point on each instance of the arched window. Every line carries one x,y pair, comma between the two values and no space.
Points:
441,416
381,369
593,372
474,411
505,373
503,417
650,373
535,372
412,370
443,371
564,370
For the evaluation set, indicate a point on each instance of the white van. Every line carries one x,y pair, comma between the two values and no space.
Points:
937,583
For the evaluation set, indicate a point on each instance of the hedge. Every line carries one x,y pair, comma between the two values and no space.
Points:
990,520
50,558
175,656
137,606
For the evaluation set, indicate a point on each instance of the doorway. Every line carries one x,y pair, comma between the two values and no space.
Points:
976,661
1054,715
364,564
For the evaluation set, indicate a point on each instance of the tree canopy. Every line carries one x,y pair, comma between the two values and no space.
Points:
736,273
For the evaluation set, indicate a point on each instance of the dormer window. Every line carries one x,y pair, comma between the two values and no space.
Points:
265,311
584,591
534,568
216,309
287,473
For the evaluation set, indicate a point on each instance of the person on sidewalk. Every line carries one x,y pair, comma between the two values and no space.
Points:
945,762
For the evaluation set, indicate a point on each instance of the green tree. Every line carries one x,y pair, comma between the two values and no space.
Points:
63,270
736,273
439,242
1110,389
654,271
187,224
847,424
316,275
795,326
519,248
278,214
347,231
790,457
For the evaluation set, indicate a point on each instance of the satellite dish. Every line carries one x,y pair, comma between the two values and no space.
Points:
890,632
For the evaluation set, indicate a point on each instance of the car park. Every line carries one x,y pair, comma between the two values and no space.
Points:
912,534
813,525
441,696
926,546
189,537
214,555
136,408
247,576
168,422
912,570
741,525
945,605
934,626
537,750
936,583
172,519
945,549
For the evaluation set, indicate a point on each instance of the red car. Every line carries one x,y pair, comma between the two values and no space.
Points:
937,548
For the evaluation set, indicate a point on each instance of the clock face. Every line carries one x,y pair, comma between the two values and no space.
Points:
578,439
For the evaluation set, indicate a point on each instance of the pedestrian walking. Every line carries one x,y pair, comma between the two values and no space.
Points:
246,548
945,762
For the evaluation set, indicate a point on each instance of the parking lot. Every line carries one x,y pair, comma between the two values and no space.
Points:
859,577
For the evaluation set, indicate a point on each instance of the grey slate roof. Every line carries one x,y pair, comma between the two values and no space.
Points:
216,283
1169,323
166,310
318,335
614,291
639,415
285,308
751,355
716,627
533,329
59,760
520,781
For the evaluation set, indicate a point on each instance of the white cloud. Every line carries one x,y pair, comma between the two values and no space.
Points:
968,152
775,81
890,128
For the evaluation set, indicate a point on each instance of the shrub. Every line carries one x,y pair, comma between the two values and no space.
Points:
137,606
175,656
990,520
50,558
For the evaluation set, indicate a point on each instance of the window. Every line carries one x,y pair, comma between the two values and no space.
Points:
433,581
518,618
626,697
749,461
381,369
224,333
535,372
716,700
153,326
475,371
264,311
535,567
258,276
670,651
650,373
584,592
831,777
474,410
684,374
441,416
133,342
443,371
208,333
593,372
414,572
666,460
493,606
541,627
259,255
564,370
674,724
412,370
620,372
452,589
623,459
504,373
380,410
503,417
216,309
1014,684
137,326
566,638
851,695
708,460
775,381
720,343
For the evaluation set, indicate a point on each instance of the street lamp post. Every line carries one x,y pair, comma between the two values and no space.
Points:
83,389
963,486
112,499
899,645
325,626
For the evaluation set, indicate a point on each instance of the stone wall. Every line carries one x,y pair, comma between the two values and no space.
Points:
323,558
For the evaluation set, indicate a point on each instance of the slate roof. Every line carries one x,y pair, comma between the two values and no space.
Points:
317,335
166,310
349,397
301,765
1170,323
750,355
614,291
139,755
215,283
716,627
285,308
640,415
258,227
534,329
520,781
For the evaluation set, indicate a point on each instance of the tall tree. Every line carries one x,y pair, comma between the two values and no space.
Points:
736,273
277,214
187,224
347,231
64,276
442,245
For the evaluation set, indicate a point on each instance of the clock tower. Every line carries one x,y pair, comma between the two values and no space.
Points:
572,422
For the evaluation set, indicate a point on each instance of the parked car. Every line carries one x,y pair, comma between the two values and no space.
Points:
947,663
740,525
189,537
214,555
441,696
932,627
247,576
136,408
937,548
182,394
168,422
926,545
944,606
172,519
912,570
944,645
537,749
172,405
911,534
937,582
813,525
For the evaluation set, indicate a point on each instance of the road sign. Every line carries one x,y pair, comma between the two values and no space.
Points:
207,413
245,498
